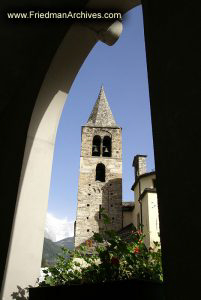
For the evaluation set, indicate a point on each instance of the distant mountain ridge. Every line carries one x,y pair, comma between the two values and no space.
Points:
52,249
67,242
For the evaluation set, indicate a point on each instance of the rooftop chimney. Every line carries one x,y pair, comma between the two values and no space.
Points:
139,163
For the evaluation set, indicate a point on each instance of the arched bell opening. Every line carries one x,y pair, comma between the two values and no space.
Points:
107,146
96,145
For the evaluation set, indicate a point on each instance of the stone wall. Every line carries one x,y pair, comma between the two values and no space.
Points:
87,139
140,165
92,193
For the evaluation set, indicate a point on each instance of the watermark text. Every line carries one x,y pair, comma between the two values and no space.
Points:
64,15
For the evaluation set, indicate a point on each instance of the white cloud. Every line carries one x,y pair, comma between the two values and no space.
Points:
57,229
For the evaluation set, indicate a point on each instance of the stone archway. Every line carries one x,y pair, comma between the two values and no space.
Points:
26,242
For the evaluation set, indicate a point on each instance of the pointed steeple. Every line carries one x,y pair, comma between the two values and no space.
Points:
101,115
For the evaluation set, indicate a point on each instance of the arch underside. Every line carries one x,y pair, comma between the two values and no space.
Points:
26,241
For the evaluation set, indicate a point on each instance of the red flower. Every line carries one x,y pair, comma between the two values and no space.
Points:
115,260
136,250
139,232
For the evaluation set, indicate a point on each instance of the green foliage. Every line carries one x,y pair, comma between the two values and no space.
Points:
52,249
105,217
110,259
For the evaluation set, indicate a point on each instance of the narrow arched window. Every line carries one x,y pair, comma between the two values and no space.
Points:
100,172
107,146
96,145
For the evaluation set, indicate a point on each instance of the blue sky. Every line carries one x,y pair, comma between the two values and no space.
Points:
122,70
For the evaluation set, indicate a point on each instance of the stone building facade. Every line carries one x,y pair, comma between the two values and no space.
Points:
100,179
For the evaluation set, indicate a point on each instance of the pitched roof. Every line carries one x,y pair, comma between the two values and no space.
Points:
141,176
101,115
128,206
147,190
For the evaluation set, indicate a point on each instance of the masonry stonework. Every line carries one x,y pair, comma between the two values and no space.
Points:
139,163
94,194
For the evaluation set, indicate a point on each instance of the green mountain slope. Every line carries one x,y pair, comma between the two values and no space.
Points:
52,249
68,243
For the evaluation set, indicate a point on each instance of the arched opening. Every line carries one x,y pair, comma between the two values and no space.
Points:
36,155
96,145
100,172
106,146
32,196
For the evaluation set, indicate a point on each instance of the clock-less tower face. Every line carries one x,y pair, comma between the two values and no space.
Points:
100,179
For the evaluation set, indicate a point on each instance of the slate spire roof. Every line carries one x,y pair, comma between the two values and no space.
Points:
101,115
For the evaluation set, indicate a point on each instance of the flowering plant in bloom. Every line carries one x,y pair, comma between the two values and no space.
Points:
107,257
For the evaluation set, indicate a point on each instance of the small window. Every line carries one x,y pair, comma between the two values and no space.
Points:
87,218
100,172
88,205
87,230
96,145
111,205
89,194
106,146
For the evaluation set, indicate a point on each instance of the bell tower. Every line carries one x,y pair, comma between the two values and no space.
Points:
100,179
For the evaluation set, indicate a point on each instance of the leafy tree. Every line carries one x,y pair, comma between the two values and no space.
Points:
107,257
